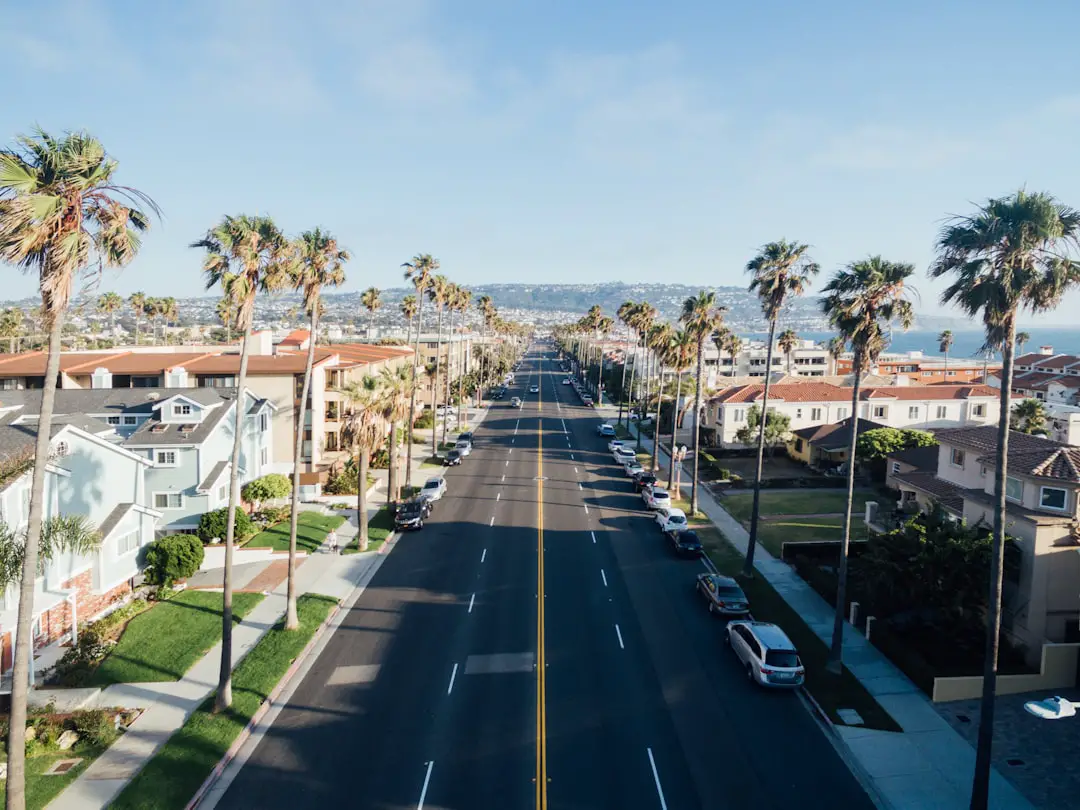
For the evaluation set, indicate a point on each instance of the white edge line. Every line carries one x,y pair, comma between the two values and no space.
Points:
580,485
586,508
603,576
618,632
423,790
594,538
492,523
572,457
483,556
507,462
656,779
453,675
575,471
498,495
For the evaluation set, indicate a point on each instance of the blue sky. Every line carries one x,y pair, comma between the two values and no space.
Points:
558,141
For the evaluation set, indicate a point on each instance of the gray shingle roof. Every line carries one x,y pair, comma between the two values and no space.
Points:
949,495
110,400
113,520
153,432
1028,455
213,476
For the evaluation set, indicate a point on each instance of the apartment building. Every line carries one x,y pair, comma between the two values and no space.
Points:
922,370
807,359
812,403
1042,490
454,354
275,373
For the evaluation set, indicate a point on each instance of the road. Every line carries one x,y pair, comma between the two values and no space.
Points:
447,686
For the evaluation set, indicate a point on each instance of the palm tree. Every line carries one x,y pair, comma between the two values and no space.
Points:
317,262
1012,254
137,302
945,342
370,299
660,340
226,312
701,317
1022,339
603,327
487,315
244,254
625,314
732,344
439,292
420,271
395,392
642,319
861,301
787,342
1029,416
61,215
836,347
150,310
109,304
681,357
781,270
461,304
408,310
170,312
363,429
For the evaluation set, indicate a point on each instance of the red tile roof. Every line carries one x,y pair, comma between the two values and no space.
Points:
824,392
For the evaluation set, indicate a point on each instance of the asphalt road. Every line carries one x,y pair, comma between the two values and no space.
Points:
446,687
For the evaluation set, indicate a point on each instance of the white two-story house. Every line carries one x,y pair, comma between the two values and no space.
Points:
91,475
1042,488
812,404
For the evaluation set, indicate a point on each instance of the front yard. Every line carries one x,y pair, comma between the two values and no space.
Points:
801,502
162,643
379,528
311,531
42,789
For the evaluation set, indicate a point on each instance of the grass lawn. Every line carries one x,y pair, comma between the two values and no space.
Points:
832,692
787,502
379,528
163,643
171,778
774,533
41,789
311,531
432,463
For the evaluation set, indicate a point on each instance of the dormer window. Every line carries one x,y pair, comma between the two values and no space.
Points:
1053,498
181,409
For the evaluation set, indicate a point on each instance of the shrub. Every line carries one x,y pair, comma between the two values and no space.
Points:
95,640
175,557
272,514
47,731
425,420
95,726
215,524
268,487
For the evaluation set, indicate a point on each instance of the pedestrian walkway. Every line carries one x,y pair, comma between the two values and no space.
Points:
167,705
929,766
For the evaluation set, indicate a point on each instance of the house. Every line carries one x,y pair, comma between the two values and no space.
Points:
89,475
1045,376
912,460
807,359
1041,490
826,446
813,404
922,370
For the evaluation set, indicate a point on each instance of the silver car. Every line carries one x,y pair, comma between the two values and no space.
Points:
766,653
723,595
463,447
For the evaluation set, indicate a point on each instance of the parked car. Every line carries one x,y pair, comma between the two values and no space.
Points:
605,430
463,447
434,488
685,544
723,595
587,401
656,498
623,454
465,437
412,514
766,653
632,466
566,381
516,402
452,459
644,479
613,444
670,519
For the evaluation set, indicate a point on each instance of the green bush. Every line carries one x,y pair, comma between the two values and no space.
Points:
95,726
268,487
95,640
425,420
272,514
174,557
215,524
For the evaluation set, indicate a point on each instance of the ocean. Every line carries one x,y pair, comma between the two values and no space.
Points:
965,344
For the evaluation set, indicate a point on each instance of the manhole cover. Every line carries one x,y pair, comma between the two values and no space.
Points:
62,766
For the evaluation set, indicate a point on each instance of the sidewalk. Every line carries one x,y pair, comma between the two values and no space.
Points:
929,766
168,704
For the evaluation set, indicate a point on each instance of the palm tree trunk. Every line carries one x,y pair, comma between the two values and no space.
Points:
223,699
391,465
480,371
755,514
435,388
412,394
446,409
461,380
633,376
362,461
645,406
656,423
622,383
697,422
674,429
136,329
980,789
292,621
835,662
24,641
370,323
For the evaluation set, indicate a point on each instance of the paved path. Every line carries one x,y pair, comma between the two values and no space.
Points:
928,766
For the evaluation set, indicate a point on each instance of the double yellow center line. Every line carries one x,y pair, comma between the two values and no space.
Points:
541,663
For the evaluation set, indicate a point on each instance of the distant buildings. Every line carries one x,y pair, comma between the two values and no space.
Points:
923,370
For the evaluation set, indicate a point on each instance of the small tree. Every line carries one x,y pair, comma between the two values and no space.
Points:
876,444
213,525
777,427
177,556
1029,416
266,488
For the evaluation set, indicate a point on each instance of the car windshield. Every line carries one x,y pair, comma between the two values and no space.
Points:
410,509
689,538
431,485
782,658
659,493
677,518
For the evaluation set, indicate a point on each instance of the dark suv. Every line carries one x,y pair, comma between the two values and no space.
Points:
412,514
685,544
642,480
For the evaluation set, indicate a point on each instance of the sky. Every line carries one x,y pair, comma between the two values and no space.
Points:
557,141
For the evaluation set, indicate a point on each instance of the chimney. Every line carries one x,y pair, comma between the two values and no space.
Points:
176,378
901,380
101,378
1047,351
262,343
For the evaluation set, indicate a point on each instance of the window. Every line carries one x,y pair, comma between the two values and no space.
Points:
129,420
61,449
222,492
895,467
112,420
950,373
956,457
979,410
913,412
798,445
1052,498
928,374
841,413
798,413
168,500
10,384
815,414
982,471
181,410
738,415
129,542
263,456
941,411
1014,489
165,458
879,411
264,423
